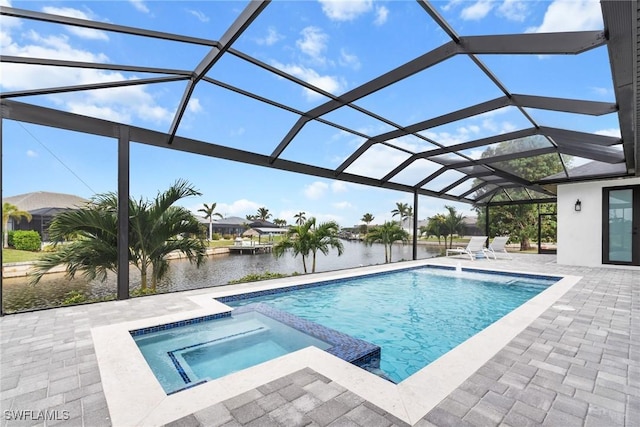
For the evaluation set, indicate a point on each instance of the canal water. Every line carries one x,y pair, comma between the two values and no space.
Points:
54,289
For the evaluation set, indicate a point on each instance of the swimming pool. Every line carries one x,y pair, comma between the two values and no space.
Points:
414,315
135,396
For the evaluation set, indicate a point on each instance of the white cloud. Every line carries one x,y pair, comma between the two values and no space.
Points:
446,138
92,110
5,3
342,205
500,128
119,104
315,190
313,43
468,130
198,14
85,33
194,105
271,38
377,161
239,208
339,187
575,15
349,60
151,112
447,7
139,5
609,132
31,153
345,10
483,124
513,10
601,91
477,11
330,84
382,14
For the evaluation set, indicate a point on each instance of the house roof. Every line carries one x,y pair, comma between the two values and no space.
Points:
44,200
231,221
431,157
260,223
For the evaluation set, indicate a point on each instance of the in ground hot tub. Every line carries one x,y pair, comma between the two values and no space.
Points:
187,353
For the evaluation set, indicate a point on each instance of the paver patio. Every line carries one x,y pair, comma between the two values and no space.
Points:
577,364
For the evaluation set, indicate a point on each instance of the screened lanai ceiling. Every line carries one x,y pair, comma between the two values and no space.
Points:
419,97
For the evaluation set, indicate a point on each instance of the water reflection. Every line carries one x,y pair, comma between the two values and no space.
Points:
218,270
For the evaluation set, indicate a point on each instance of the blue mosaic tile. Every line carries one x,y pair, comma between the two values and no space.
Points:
166,326
346,347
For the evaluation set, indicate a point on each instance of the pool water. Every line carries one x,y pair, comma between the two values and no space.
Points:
189,355
415,315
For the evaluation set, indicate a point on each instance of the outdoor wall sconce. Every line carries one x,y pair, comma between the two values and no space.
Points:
578,205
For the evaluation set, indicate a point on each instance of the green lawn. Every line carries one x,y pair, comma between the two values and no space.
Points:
14,255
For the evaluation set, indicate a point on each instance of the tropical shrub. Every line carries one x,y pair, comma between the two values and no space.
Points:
74,297
254,277
156,229
387,234
27,240
10,211
308,239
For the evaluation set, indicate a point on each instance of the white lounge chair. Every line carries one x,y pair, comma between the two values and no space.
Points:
497,246
475,245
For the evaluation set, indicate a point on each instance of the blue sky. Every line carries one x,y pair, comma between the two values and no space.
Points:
336,46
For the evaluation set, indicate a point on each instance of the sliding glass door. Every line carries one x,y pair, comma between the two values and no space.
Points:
621,219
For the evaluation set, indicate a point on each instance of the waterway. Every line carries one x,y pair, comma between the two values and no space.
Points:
218,270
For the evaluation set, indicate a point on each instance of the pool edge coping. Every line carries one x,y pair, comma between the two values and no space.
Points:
143,402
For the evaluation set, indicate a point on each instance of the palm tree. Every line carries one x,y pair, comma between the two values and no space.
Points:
10,211
367,219
280,222
209,213
300,218
454,223
155,229
263,214
387,234
306,239
403,210
325,236
436,227
298,240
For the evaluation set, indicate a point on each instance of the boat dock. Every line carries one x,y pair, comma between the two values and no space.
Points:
251,249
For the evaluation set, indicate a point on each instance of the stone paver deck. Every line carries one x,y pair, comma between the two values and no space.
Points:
577,364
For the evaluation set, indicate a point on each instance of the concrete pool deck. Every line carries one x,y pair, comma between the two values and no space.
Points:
577,363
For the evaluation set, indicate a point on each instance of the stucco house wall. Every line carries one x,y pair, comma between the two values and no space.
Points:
580,233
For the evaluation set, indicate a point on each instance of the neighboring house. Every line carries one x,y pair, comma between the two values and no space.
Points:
43,206
235,226
232,226
471,226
